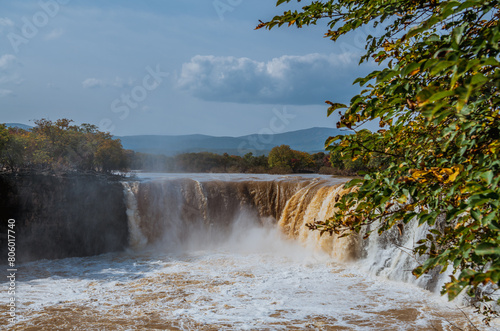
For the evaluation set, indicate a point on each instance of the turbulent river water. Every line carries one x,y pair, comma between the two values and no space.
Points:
226,252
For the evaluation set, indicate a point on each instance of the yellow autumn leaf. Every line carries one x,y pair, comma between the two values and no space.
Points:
402,199
456,171
419,173
493,148
414,72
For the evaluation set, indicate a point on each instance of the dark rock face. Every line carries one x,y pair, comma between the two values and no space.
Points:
62,216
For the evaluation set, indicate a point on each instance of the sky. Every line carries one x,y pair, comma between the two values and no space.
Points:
171,67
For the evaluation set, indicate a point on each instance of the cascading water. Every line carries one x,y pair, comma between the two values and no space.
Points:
136,238
388,255
177,210
317,203
229,254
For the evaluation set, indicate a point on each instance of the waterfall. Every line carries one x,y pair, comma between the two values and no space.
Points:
388,255
136,238
317,203
177,212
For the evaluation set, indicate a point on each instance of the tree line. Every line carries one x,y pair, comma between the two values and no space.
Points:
60,146
280,160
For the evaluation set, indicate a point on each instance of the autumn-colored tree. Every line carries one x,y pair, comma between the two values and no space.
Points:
110,155
286,159
280,157
436,98
60,146
301,161
4,136
13,148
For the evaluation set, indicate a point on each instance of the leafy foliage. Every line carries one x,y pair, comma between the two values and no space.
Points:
199,162
295,161
285,158
60,146
437,100
281,157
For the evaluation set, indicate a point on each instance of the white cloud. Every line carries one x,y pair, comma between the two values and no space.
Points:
54,34
5,24
12,78
6,61
8,74
120,82
4,21
92,83
117,82
4,93
307,79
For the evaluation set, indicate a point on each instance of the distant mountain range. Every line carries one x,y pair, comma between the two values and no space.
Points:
18,125
307,140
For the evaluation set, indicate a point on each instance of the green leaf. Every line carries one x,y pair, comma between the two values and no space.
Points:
440,95
410,68
442,65
476,215
334,106
488,176
479,79
488,249
331,140
353,182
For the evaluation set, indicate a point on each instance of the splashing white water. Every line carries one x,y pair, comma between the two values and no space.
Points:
248,274
136,239
255,279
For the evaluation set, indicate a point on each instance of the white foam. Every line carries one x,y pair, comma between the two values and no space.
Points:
249,277
254,280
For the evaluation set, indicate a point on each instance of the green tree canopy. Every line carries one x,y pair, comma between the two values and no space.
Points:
436,97
286,159
280,157
60,146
